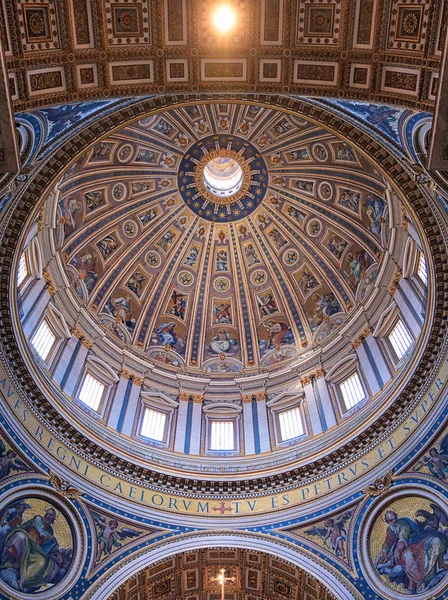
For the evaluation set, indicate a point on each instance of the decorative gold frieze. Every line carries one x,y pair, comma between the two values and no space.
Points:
137,380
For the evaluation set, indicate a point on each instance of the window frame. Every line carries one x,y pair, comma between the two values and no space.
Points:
95,377
228,413
100,371
346,409
159,403
389,348
167,416
283,411
281,405
54,346
421,257
27,277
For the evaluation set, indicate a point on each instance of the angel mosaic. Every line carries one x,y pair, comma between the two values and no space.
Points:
344,152
222,312
277,238
192,256
166,240
307,281
304,186
163,127
110,535
148,216
350,199
300,154
374,207
9,462
436,460
280,334
135,283
336,245
101,151
333,534
141,186
296,214
94,200
221,260
108,245
178,305
251,255
267,305
282,127
358,263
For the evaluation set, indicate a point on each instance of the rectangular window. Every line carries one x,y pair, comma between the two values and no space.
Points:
222,435
43,340
23,269
400,338
91,392
153,425
352,391
422,271
290,424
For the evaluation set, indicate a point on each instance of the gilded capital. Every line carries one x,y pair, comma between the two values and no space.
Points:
306,380
125,374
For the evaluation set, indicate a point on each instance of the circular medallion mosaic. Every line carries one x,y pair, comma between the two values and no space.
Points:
223,178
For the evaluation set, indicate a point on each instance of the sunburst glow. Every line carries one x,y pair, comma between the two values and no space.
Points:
224,18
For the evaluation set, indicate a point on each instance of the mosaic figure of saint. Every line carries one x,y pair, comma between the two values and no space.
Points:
251,255
221,260
412,554
31,556
337,245
223,343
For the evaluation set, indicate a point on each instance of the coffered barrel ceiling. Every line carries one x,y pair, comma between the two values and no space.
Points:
67,50
252,576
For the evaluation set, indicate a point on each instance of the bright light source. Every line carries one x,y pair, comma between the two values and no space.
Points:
224,18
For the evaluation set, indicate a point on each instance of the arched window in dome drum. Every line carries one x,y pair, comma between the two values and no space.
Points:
23,271
400,339
352,391
422,270
290,423
91,392
43,340
153,425
222,435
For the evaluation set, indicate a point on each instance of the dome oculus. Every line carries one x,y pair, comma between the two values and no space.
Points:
223,178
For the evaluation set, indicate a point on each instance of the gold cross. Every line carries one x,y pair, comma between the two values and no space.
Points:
222,579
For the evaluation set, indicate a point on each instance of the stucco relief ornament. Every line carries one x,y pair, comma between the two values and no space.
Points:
64,487
380,485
